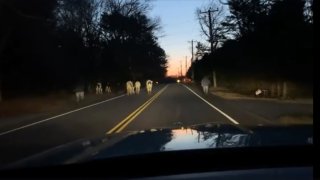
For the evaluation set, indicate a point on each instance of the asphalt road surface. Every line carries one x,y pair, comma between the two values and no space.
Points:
169,105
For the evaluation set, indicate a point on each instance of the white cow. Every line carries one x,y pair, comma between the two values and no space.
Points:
108,89
130,88
79,95
205,83
149,86
79,92
99,88
137,86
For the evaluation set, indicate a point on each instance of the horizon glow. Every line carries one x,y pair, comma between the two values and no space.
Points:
179,27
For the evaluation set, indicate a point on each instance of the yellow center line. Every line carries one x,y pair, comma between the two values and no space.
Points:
137,114
129,117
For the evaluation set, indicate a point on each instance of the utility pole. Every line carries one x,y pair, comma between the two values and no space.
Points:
186,65
181,68
192,50
192,65
192,74
211,40
210,31
210,27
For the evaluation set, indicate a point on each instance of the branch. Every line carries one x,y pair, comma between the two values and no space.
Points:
24,15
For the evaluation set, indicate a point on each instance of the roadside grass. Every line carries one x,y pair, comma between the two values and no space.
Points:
47,104
287,119
226,93
246,86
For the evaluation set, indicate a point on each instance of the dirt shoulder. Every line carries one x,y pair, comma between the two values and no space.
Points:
264,110
52,103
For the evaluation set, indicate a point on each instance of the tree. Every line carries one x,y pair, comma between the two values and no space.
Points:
53,45
246,14
131,34
80,36
213,30
274,39
201,50
20,48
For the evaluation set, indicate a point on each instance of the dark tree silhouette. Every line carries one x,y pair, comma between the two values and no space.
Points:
55,45
274,40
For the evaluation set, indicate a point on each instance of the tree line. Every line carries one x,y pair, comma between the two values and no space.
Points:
53,45
269,39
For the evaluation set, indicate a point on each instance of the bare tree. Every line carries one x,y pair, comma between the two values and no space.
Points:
126,7
134,9
201,49
81,17
214,30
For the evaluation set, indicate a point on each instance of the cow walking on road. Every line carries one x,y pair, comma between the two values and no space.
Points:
205,82
149,86
99,88
79,92
130,88
108,89
137,86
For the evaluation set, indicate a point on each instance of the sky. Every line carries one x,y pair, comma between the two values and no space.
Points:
179,27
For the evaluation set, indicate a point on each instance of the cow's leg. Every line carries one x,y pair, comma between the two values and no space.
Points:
148,89
82,95
77,96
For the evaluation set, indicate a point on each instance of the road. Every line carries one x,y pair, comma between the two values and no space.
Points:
169,105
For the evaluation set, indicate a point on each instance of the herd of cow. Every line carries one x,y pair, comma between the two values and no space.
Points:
135,88
130,87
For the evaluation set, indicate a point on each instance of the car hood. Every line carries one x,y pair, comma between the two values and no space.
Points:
157,140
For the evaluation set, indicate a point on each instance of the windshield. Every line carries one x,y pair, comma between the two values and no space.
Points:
72,70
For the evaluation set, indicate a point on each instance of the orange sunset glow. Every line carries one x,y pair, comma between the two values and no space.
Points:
174,65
